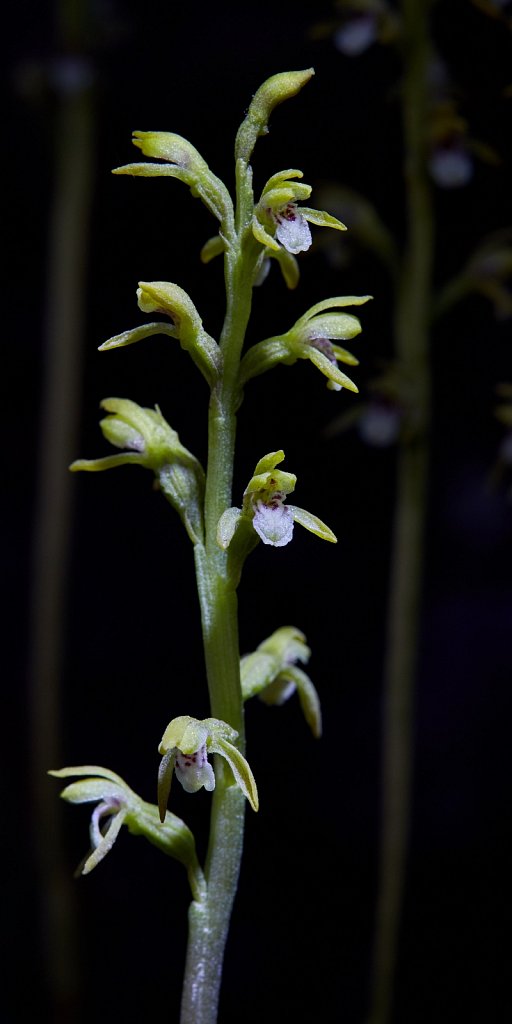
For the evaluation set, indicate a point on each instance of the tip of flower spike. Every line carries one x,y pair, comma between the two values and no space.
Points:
275,90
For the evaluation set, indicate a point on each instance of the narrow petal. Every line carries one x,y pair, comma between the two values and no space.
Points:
106,843
143,170
308,697
344,356
164,781
87,769
337,302
240,768
137,334
263,236
330,370
106,808
108,462
322,219
312,523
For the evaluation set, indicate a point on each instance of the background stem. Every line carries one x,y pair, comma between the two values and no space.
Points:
65,317
412,343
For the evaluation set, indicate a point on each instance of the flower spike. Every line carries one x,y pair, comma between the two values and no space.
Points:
185,746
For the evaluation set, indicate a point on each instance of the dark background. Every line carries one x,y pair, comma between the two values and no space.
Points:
131,660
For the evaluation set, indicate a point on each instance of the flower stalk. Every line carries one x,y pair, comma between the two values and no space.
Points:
209,923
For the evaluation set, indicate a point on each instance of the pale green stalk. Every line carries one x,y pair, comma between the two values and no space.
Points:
209,921
412,350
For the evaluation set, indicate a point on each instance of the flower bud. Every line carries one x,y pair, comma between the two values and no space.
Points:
274,91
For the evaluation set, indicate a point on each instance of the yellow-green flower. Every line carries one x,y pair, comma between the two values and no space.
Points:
279,221
271,673
185,746
264,510
314,336
118,805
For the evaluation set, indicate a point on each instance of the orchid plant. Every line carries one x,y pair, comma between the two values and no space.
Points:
250,234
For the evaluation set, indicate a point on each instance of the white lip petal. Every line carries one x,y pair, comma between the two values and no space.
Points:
293,232
274,525
194,771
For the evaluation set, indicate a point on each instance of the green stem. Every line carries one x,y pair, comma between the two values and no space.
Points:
209,920
412,344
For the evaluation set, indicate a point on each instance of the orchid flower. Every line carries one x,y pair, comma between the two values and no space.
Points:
118,805
279,221
271,673
264,510
185,746
314,336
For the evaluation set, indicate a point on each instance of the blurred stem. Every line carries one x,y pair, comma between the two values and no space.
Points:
65,316
412,350
453,292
